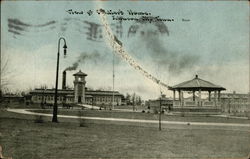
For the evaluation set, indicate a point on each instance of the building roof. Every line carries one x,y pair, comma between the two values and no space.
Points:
196,84
235,95
162,99
51,91
88,96
96,92
80,73
88,93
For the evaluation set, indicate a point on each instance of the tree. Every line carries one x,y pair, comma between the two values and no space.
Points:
139,101
133,100
128,99
5,75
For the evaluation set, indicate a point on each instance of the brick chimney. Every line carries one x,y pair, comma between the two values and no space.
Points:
64,80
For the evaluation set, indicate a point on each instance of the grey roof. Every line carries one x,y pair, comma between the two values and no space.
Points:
51,91
196,84
80,73
88,93
96,92
88,96
235,95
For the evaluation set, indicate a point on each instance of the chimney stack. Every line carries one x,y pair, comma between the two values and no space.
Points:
64,80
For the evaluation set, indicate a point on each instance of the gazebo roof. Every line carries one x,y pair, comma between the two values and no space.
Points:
196,84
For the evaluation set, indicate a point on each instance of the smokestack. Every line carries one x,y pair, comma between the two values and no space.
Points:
64,80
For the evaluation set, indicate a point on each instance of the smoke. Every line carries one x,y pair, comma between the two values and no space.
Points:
91,57
73,67
175,62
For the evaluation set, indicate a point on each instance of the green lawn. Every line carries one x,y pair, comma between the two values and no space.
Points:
24,139
147,116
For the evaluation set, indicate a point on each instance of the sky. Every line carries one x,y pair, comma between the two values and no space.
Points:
207,38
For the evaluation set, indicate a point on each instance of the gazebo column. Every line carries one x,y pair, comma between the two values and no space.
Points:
199,97
209,95
215,98
174,94
179,92
174,104
193,95
218,96
182,99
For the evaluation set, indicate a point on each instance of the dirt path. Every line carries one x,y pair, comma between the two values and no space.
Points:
26,111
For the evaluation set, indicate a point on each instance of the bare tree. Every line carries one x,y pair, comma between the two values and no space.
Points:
134,100
138,100
128,99
5,75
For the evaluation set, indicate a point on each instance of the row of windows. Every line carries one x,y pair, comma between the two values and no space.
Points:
235,100
105,99
60,98
235,107
47,98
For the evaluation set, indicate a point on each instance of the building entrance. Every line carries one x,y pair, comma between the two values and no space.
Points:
79,99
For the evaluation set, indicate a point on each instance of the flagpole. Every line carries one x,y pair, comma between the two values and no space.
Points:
113,81
0,70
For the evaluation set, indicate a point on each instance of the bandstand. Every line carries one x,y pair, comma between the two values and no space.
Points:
196,88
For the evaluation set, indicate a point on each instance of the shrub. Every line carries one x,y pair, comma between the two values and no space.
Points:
155,111
182,114
82,121
247,113
39,119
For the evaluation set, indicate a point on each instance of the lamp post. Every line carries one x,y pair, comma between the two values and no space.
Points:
54,119
160,114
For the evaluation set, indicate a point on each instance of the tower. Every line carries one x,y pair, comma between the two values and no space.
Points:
79,87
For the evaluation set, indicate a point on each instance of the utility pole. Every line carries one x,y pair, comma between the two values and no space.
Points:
160,114
113,95
0,70
0,76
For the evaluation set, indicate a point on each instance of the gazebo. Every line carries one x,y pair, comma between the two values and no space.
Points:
193,86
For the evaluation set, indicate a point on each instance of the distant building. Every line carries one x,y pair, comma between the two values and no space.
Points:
235,102
12,98
154,104
80,94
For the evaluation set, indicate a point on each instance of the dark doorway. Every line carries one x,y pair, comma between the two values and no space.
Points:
79,99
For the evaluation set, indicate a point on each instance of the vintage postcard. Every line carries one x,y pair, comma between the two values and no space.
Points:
124,79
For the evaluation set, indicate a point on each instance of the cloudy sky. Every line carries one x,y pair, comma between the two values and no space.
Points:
210,39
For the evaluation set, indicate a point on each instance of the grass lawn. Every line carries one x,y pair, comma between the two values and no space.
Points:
24,139
147,116
19,105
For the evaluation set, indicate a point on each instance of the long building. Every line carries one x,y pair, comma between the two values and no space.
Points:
165,102
230,103
80,94
236,103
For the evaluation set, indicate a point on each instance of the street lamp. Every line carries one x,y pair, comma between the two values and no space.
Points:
160,114
54,119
